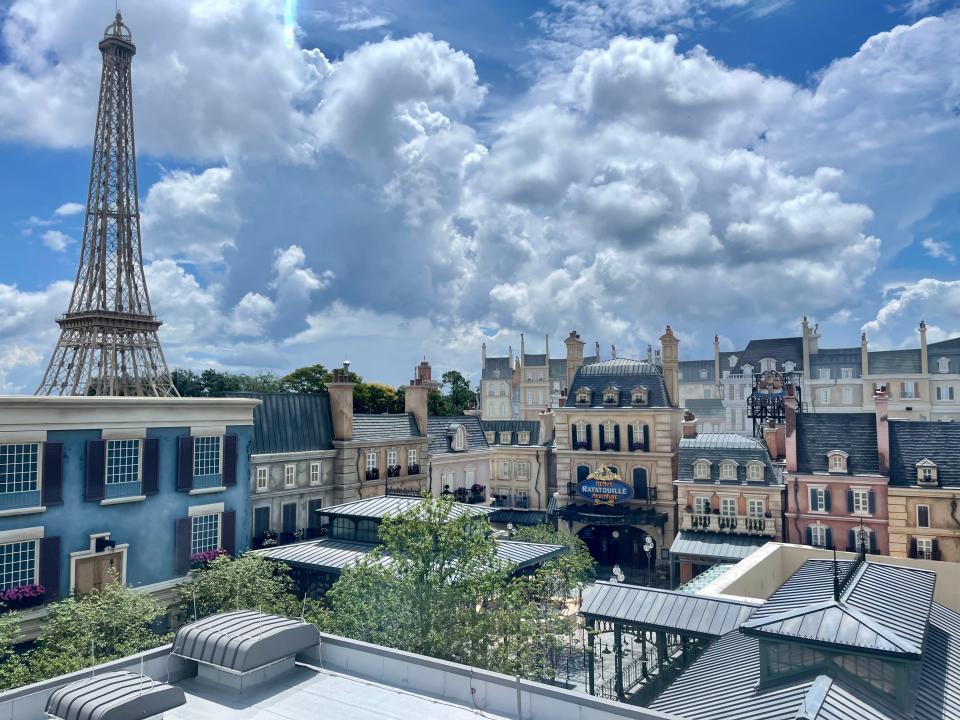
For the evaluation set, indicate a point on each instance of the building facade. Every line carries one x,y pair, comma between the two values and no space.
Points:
96,486
459,458
522,469
619,415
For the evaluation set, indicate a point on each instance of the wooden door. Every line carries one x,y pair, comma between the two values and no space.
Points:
93,572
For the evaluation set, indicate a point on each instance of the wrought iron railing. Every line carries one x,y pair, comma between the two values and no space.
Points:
393,471
413,469
739,524
373,474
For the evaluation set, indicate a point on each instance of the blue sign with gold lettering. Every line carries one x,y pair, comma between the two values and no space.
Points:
604,487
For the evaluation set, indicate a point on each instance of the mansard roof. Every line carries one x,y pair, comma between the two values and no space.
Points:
852,433
717,447
514,427
400,426
441,431
290,422
625,374
497,368
894,362
912,441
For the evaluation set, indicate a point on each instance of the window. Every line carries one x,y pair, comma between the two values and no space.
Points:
703,374
925,548
823,373
503,409
837,461
754,471
943,365
288,517
18,562
755,508
263,475
505,438
824,396
19,467
411,456
491,437
582,431
583,396
768,364
818,536
923,516
608,433
368,531
204,533
523,438
313,513
289,476
728,506
701,505
789,366
503,391
539,377
529,397
469,476
523,469
314,473
707,394
371,461
926,472
459,440
540,397
505,468
861,502
846,373
908,391
123,461
944,392
818,500
701,470
638,396
343,528
848,396
206,456
610,396
392,458
728,470
261,521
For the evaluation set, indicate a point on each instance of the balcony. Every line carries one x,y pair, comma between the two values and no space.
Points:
511,501
393,471
733,524
413,469
373,474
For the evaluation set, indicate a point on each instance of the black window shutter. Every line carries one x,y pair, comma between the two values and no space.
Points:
51,492
228,532
646,438
935,549
182,544
849,501
185,465
813,499
809,535
630,437
913,547
829,538
573,435
603,438
589,437
871,502
229,460
826,499
852,544
150,479
616,437
872,540
50,567
288,517
96,470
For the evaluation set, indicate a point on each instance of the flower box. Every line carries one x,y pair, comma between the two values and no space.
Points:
201,559
22,597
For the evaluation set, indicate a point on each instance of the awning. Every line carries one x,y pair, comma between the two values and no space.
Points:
715,546
518,517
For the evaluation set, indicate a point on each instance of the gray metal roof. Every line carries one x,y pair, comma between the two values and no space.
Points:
836,359
913,441
497,368
243,640
853,433
558,368
384,505
949,349
894,362
328,555
715,545
513,427
690,371
789,349
668,610
402,426
117,695
290,422
624,374
442,429
717,447
534,360
518,517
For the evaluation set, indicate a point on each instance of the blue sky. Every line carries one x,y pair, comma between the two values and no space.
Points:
414,178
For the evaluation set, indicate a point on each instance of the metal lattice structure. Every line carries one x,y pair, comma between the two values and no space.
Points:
108,341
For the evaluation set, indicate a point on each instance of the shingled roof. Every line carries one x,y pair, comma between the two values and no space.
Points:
513,427
401,426
783,350
717,447
624,374
913,441
442,428
852,433
497,368
690,371
894,362
835,359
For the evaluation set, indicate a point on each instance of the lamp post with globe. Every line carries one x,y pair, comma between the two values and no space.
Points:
648,546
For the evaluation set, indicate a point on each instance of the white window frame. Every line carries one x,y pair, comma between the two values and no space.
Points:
698,470
411,456
504,468
315,473
917,514
924,548
523,469
193,521
726,505
263,478
846,373
914,390
848,396
36,563
756,507
459,439
505,438
219,459
106,465
702,505
18,449
393,457
491,437
523,438
861,501
371,460
823,374
821,497
818,535
581,431
824,396
945,392
943,365
290,476
754,471
728,470
837,461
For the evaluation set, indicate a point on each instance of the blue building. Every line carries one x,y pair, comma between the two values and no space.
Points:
135,486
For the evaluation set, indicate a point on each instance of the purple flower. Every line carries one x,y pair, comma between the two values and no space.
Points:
22,592
202,558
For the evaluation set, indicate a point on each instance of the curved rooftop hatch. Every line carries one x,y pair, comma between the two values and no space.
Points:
113,696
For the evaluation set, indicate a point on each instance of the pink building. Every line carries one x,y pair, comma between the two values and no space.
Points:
836,479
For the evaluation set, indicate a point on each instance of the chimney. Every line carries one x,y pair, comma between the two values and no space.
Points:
513,365
924,360
864,356
341,402
883,431
790,427
596,349
670,357
649,353
574,355
716,361
483,357
415,401
523,352
546,350
775,438
805,329
547,418
613,352
689,425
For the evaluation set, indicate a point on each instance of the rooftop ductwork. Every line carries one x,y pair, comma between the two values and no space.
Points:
113,696
243,648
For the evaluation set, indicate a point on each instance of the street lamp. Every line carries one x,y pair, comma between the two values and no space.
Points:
648,549
618,575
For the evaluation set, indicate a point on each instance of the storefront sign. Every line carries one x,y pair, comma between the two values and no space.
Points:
604,487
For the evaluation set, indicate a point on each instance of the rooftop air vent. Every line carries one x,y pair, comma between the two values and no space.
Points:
113,696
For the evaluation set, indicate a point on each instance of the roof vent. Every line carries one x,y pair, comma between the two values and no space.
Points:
244,648
113,696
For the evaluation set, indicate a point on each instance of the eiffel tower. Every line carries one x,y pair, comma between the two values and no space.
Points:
108,336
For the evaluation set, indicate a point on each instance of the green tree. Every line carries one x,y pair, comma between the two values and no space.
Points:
13,669
459,397
101,625
572,570
437,404
248,582
309,379
375,398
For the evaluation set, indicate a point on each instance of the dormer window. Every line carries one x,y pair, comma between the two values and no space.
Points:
789,366
638,396
837,461
610,395
728,470
460,438
703,373
755,471
747,369
943,365
505,438
733,361
491,437
523,438
583,396
701,470
768,364
927,472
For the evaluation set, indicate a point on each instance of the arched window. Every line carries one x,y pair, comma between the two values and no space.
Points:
503,409
728,470
613,469
582,472
701,470
368,531
610,395
837,461
768,364
640,491
460,438
343,528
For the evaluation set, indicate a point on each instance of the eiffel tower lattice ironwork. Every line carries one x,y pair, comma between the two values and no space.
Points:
108,336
